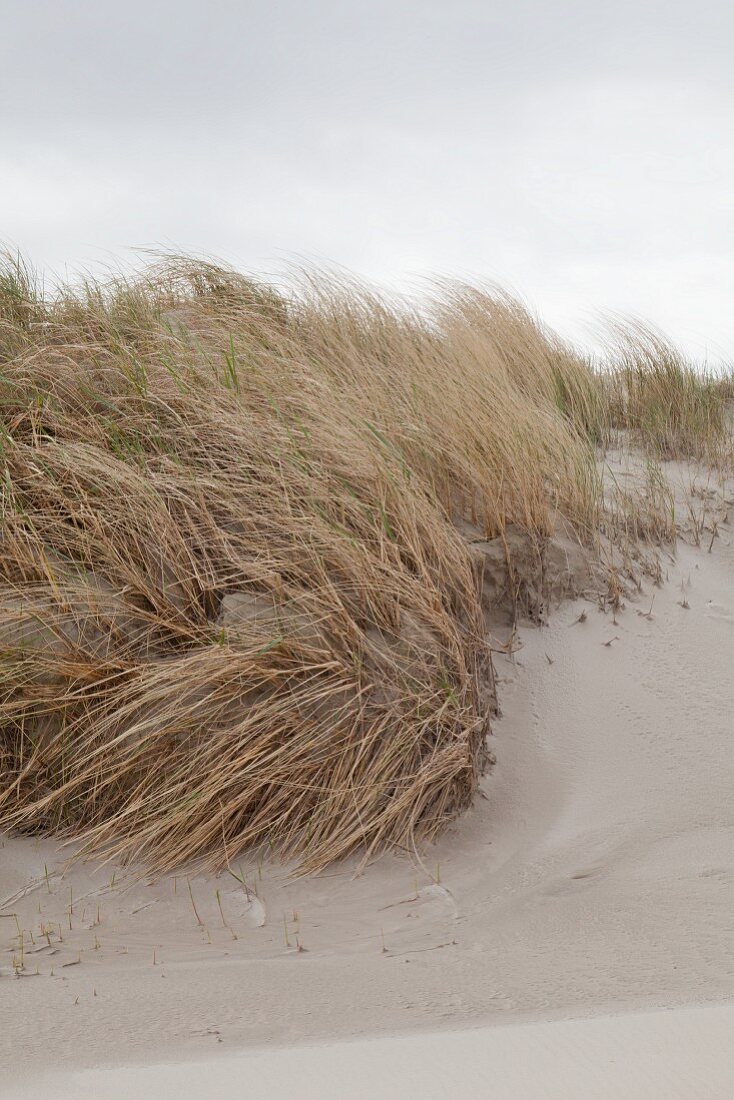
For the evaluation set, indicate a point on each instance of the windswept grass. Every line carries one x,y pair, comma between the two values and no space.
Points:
672,408
235,606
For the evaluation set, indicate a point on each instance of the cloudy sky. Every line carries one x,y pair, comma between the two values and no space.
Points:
581,152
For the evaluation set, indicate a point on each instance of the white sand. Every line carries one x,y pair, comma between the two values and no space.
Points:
596,878
686,1053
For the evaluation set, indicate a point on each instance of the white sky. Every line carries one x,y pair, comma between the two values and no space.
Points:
581,152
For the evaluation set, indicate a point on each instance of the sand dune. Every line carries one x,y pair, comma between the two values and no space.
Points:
596,878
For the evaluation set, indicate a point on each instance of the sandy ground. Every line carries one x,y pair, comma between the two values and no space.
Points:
653,1056
594,878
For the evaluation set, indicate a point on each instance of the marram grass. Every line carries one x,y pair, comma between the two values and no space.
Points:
235,605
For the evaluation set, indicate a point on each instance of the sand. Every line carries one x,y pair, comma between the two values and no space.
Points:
685,1052
595,878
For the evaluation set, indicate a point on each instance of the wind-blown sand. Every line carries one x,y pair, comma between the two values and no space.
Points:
596,878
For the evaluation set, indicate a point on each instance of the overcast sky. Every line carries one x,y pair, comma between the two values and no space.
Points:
580,151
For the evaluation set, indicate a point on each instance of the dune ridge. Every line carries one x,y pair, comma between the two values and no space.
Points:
253,542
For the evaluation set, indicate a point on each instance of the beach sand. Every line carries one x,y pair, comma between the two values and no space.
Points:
594,878
684,1052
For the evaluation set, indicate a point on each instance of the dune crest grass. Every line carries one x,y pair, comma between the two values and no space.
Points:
236,608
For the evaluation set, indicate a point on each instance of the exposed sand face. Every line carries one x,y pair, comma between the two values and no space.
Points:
597,876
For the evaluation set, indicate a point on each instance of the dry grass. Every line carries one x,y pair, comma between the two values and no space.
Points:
235,608
672,408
